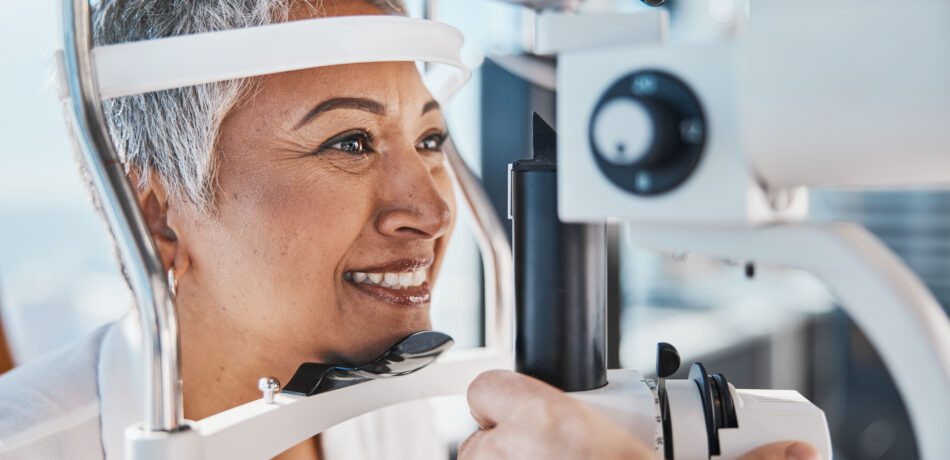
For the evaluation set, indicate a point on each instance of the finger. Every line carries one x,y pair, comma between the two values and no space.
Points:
785,450
493,395
483,444
469,447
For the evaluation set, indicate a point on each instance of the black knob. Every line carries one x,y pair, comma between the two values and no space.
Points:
667,363
718,406
665,134
647,132
667,360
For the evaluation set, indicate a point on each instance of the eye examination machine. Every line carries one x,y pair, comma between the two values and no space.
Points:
701,142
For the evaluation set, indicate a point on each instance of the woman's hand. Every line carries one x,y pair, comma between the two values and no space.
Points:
785,450
525,418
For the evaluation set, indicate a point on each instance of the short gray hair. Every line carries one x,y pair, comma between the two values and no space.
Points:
173,133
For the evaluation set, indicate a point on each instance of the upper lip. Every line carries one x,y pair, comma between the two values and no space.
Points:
396,266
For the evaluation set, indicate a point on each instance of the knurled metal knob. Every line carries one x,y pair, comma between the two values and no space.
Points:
269,386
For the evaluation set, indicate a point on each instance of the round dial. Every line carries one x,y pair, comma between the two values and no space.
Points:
624,131
647,132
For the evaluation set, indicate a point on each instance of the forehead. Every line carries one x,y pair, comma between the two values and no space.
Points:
391,82
308,9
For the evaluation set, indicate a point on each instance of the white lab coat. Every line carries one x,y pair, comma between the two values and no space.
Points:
76,403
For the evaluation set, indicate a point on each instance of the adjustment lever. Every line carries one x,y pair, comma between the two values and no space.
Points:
667,363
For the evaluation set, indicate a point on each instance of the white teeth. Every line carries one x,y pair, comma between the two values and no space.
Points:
418,277
391,280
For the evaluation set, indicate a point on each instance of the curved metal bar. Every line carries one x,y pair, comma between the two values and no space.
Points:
495,251
146,274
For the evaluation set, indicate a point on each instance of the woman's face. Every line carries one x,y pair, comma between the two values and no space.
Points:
333,211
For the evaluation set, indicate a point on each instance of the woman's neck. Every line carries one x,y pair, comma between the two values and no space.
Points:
222,364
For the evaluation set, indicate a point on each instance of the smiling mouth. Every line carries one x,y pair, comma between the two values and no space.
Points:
403,282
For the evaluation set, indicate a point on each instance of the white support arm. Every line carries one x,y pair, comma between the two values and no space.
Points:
885,298
258,430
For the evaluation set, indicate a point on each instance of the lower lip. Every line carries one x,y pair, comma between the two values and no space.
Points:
410,296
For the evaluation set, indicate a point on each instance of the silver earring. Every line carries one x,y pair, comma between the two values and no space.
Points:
172,282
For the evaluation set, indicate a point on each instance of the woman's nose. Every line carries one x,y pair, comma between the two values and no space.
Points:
412,204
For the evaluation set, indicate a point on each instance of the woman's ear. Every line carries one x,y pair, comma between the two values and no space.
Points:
154,203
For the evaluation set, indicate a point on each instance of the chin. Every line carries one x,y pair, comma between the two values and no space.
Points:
381,335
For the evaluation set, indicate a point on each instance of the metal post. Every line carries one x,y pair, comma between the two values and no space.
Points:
146,274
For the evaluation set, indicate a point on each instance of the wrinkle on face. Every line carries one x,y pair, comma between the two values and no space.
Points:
265,289
302,217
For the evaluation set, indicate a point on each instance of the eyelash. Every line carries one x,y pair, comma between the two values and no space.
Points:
439,139
336,142
366,141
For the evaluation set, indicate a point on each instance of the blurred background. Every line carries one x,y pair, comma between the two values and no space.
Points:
779,328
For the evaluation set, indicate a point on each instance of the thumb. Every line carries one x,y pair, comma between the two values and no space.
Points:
493,395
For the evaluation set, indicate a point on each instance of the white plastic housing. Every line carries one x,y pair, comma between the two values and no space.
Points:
767,416
720,190
764,417
628,401
837,94
847,93
689,430
558,32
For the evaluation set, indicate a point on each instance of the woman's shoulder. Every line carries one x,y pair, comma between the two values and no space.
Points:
50,406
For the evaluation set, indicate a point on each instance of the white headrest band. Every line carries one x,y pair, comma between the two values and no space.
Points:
174,62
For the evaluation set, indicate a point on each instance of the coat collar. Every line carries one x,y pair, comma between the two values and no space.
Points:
121,383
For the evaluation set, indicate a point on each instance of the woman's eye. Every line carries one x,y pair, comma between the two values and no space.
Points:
353,143
433,142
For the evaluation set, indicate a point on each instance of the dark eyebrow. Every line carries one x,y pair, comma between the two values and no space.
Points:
357,103
430,106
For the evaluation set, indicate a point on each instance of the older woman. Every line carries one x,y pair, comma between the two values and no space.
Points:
302,217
